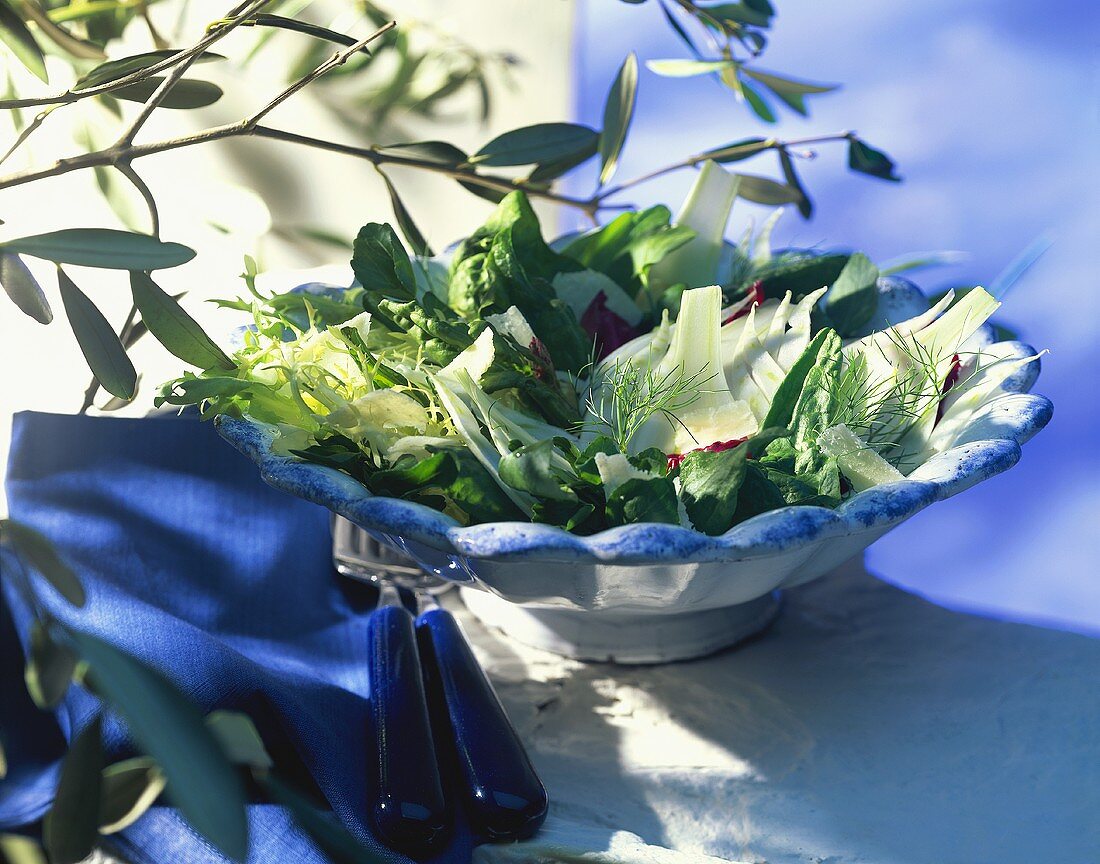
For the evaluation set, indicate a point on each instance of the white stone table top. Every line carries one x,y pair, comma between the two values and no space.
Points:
866,726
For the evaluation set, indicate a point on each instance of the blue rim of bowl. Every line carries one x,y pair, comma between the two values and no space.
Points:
876,509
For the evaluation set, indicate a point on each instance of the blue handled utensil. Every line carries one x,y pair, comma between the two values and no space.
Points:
409,811
504,798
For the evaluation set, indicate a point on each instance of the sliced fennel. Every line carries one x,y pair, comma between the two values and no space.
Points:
706,212
893,381
615,470
862,466
679,397
980,381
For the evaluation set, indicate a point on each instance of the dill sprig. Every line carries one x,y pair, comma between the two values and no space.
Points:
622,399
884,410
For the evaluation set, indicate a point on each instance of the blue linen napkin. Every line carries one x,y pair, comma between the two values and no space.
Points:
194,565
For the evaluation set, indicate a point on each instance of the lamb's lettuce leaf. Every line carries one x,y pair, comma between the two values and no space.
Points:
475,283
506,263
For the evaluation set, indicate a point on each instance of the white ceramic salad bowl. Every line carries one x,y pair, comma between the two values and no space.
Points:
649,593
649,590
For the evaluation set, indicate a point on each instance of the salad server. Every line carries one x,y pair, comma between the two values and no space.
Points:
409,811
504,797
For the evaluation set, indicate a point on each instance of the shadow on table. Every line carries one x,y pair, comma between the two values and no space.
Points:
868,724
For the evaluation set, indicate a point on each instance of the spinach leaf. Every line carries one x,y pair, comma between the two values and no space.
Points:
381,263
710,481
820,487
626,247
585,462
570,515
800,272
451,480
758,494
853,299
639,500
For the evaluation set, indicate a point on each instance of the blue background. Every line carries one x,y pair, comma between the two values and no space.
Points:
991,110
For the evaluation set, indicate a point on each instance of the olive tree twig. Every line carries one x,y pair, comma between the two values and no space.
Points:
241,11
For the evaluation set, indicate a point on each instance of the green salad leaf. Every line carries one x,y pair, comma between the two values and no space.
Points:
639,500
711,481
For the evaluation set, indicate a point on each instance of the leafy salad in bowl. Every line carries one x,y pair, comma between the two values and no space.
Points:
643,374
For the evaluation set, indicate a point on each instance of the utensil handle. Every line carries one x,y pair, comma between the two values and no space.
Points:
505,798
410,812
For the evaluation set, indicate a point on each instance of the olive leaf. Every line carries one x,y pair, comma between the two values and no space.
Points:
542,142
23,288
98,342
735,151
761,190
865,159
618,111
115,403
805,204
757,13
485,193
129,788
283,23
18,38
50,667
112,70
71,828
173,327
239,739
185,94
688,68
329,835
405,222
102,247
35,551
790,90
679,30
169,728
546,172
62,38
436,152
761,108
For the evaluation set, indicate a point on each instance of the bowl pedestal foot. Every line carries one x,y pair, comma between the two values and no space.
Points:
623,637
